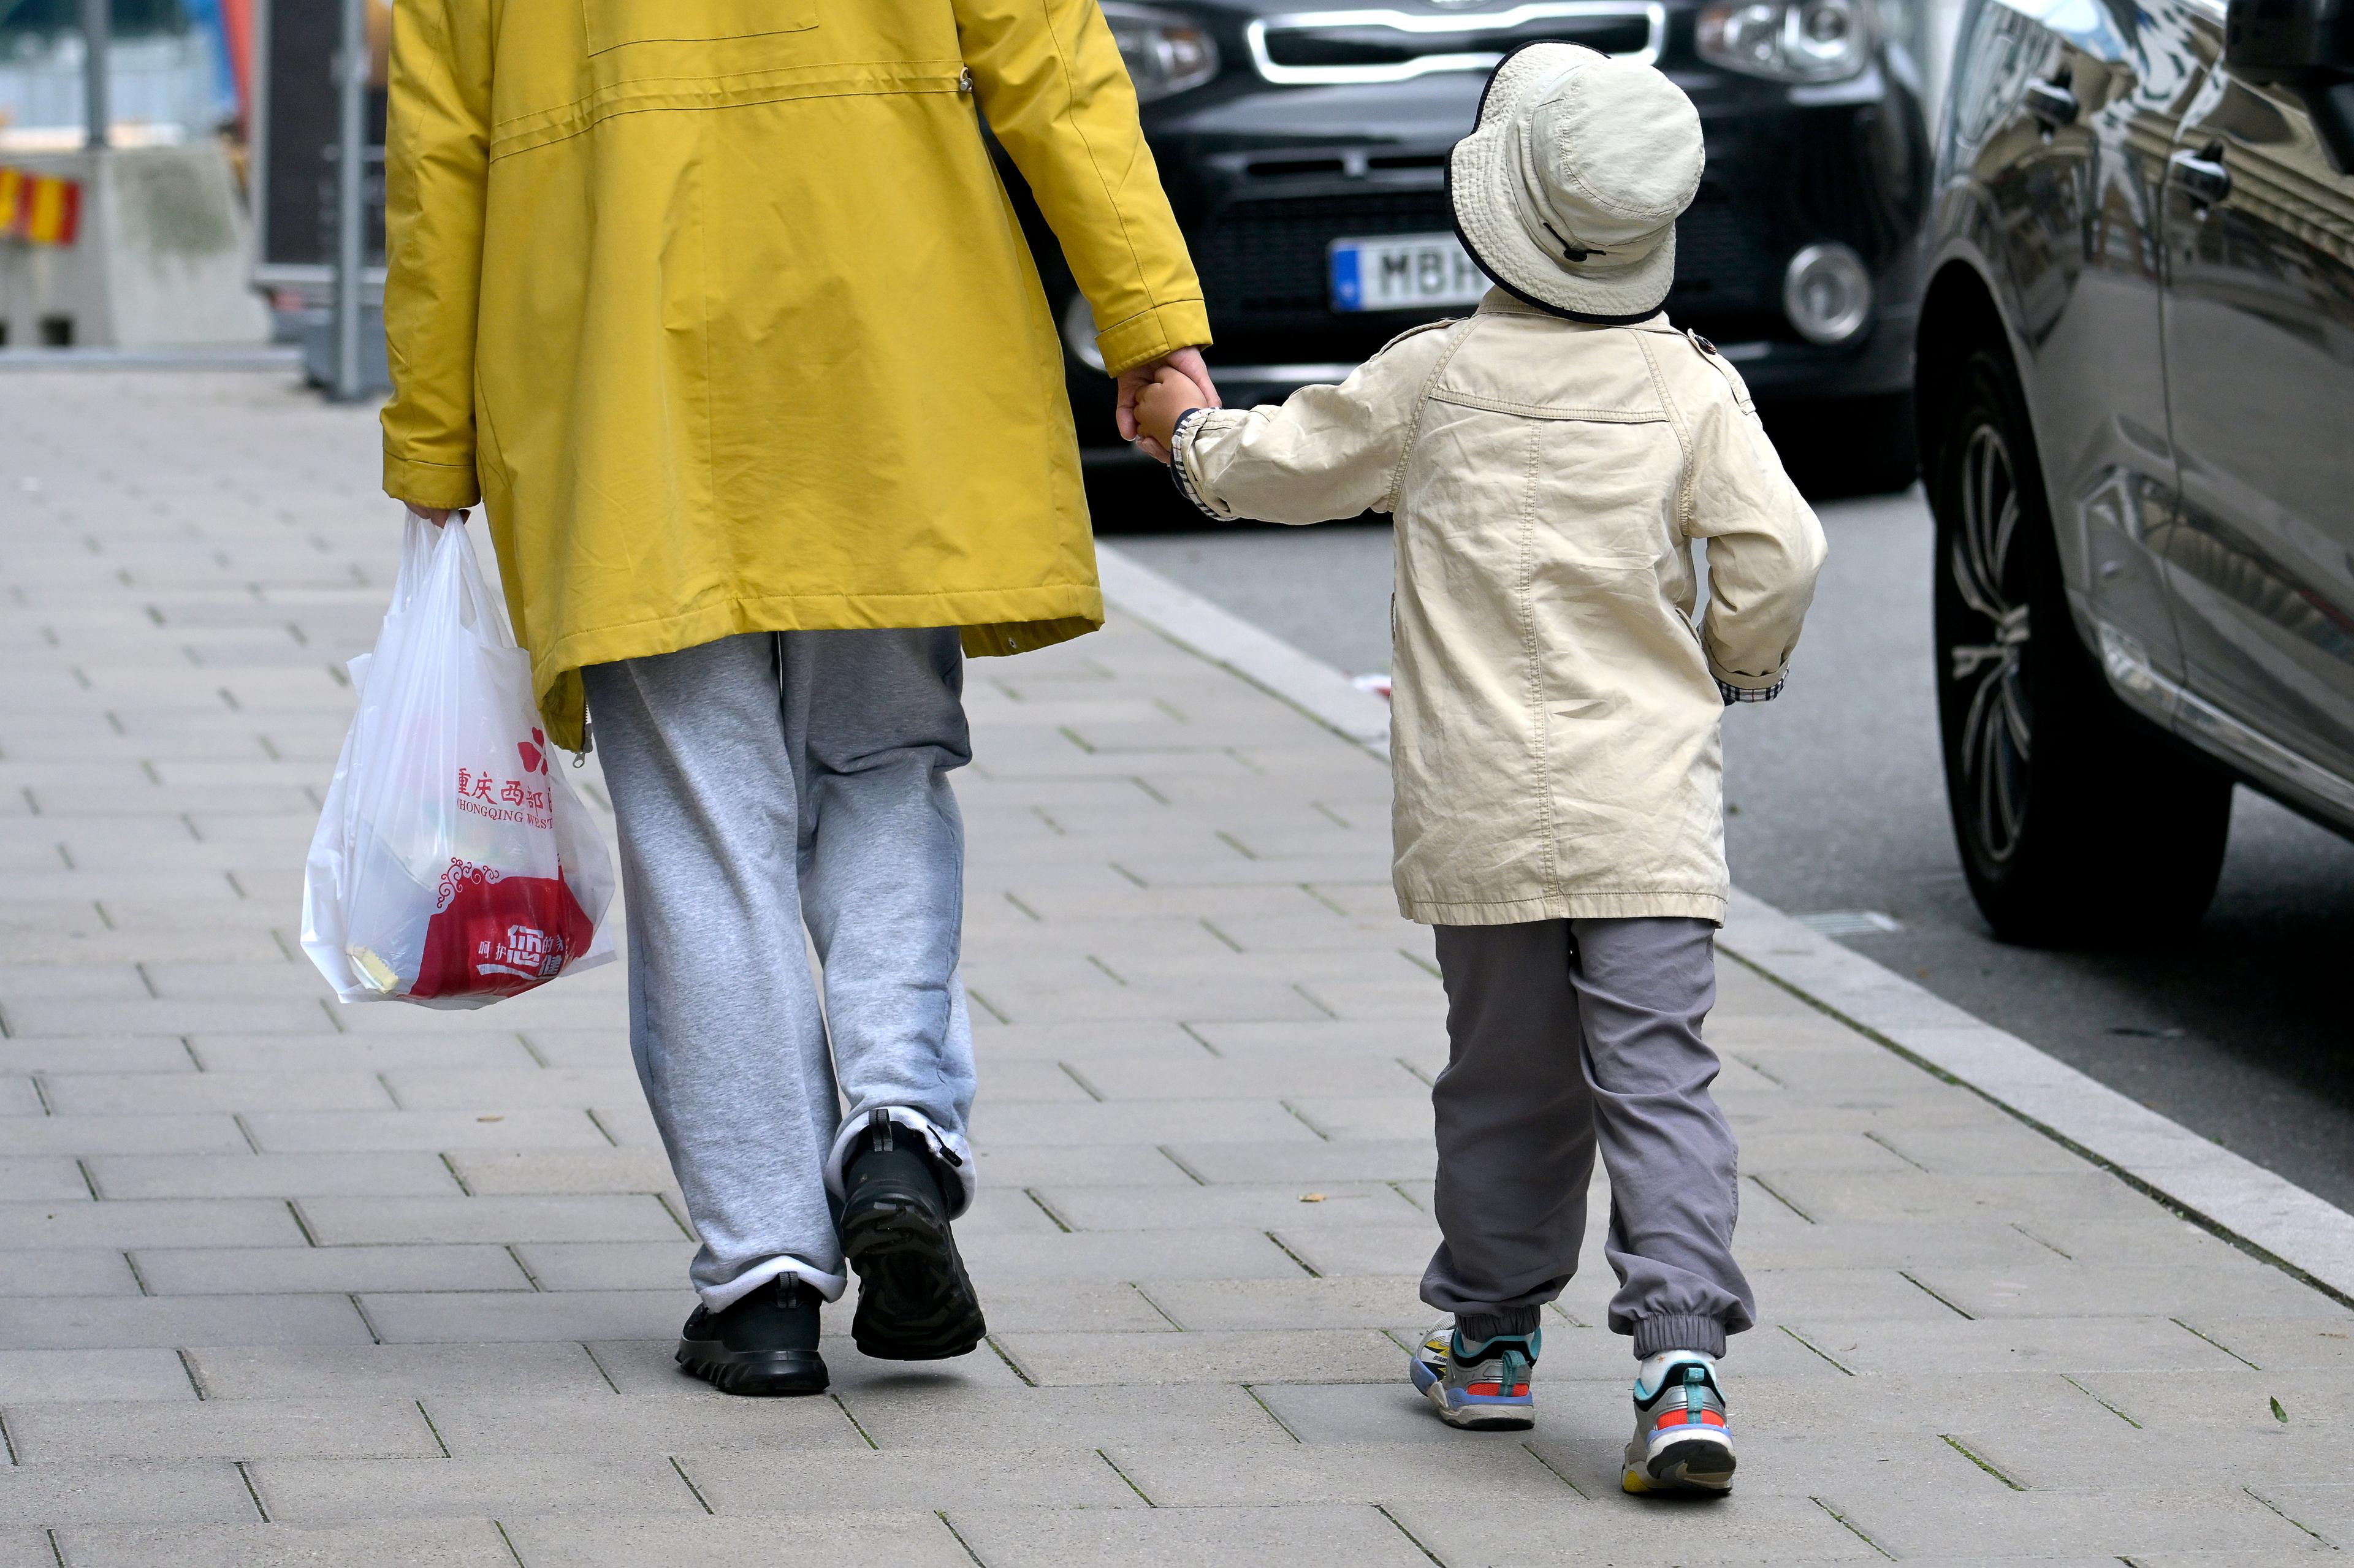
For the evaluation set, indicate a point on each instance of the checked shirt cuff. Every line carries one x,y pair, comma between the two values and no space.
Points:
1733,694
1184,481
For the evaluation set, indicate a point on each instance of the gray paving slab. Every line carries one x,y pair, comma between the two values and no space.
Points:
118,1491
309,1132
567,1171
379,1543
930,1418
488,1425
334,1221
420,1316
212,1271
219,1429
1066,1359
650,1367
86,1374
250,1175
873,1537
336,1491
94,1135
1745,1530
740,1480
150,1222
1236,1254
75,1322
1185,1538
411,1372
1176,1477
66,1271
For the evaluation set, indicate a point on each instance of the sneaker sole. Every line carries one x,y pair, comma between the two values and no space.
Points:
915,1303
1469,1417
1694,1464
755,1375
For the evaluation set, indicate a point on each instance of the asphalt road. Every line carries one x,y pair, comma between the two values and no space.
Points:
1837,804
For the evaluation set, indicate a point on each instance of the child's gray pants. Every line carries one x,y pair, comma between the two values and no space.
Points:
1564,1033
765,782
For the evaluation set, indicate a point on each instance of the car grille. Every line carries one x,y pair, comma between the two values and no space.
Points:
1266,257
1331,47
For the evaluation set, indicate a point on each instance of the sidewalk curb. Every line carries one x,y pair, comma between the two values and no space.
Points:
2205,1182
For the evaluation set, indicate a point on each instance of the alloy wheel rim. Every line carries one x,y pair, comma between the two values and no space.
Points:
1998,725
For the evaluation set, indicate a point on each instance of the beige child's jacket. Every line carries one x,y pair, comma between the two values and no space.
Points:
1554,730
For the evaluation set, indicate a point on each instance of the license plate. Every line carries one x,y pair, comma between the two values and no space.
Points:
1404,272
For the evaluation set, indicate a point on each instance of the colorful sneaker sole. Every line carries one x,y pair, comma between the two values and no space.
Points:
1692,1463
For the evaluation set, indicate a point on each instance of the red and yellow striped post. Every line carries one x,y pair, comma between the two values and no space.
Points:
39,209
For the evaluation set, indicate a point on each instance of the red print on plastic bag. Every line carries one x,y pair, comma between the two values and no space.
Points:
534,758
494,935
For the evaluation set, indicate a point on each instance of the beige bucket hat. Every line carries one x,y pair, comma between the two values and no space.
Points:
1567,193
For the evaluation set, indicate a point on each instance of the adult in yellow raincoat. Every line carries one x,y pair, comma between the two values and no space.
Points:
720,308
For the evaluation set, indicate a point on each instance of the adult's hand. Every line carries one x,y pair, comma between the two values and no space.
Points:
1186,362
437,516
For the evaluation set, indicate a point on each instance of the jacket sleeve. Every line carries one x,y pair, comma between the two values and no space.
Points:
436,157
1765,548
1049,79
1326,453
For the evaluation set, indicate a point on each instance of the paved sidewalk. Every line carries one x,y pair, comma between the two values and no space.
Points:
288,1282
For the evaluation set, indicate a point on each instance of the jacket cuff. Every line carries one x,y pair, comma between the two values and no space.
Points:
1181,473
1151,333
1733,693
430,484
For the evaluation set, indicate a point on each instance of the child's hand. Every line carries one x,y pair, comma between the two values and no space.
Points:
1159,408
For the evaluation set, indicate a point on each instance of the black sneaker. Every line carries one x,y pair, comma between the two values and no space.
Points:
915,1300
764,1344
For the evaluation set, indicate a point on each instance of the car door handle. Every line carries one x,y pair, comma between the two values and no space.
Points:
2052,103
2201,174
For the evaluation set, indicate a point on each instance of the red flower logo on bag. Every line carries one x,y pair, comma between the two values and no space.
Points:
534,753
460,874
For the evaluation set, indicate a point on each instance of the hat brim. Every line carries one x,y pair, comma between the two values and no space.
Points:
1481,177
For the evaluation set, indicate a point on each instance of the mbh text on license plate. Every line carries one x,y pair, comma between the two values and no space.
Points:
1403,271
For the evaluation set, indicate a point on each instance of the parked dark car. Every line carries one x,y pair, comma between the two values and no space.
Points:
1304,148
2136,407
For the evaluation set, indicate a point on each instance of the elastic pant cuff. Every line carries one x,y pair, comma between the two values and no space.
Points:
719,1297
948,1149
1653,1335
1477,1328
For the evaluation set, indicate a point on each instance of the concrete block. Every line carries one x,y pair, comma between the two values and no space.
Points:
2128,1522
1125,1255
1256,1207
1506,1476
1310,1164
88,1375
513,1172
482,1316
219,1429
42,1180
650,1367
911,1418
335,1491
334,1221
859,1539
489,1425
379,1543
1067,1360
209,1271
1186,1538
312,1132
150,1222
1262,1305
478,1089
364,1053
399,1175
742,1481
1760,1530
137,1093
608,1266
66,1271
82,1322
398,1371
124,1492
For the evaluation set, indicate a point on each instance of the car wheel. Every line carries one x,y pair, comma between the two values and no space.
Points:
2079,824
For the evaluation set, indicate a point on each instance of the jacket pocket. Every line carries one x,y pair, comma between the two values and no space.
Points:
613,23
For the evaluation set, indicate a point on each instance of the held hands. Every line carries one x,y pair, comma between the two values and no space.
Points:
437,516
1159,405
1194,389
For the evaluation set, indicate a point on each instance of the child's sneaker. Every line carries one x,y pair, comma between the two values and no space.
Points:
1682,1443
1484,1388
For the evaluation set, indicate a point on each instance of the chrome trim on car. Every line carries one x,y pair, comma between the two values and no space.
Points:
2197,720
1256,34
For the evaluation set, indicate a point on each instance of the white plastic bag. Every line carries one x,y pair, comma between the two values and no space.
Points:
454,865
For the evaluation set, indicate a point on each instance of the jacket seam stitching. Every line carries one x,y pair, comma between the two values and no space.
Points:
1070,101
1413,421
1541,731
1549,411
1683,441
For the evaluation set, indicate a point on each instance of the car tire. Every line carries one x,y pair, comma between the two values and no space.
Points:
2078,823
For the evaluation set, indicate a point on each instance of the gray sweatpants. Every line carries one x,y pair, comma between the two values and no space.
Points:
766,783
1564,1033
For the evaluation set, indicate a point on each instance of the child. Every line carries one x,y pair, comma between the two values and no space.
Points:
1559,810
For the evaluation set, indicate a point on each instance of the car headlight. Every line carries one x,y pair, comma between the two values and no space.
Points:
1165,52
1789,40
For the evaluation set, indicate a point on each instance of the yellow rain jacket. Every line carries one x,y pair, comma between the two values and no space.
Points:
721,309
